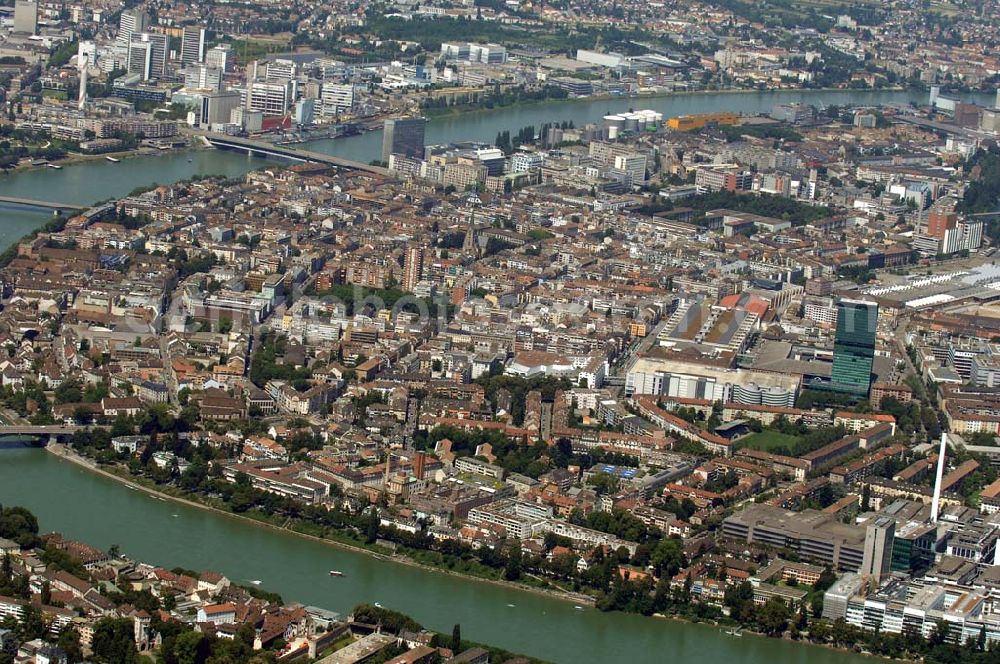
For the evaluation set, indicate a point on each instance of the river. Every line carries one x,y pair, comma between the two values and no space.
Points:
102,512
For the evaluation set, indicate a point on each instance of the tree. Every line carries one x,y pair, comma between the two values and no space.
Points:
20,525
512,571
32,625
456,638
113,641
668,556
773,617
6,570
739,599
69,642
371,528
191,647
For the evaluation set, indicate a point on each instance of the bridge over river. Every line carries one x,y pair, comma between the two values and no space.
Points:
55,206
45,432
266,149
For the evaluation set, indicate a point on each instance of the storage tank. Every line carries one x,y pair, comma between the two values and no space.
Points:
616,121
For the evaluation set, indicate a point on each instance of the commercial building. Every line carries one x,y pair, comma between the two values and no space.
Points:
813,535
940,219
878,547
217,107
269,97
403,136
518,519
336,99
611,59
677,378
220,57
690,122
201,77
304,111
487,54
26,16
854,346
192,44
132,21
919,608
522,162
147,55
633,164
282,69
722,179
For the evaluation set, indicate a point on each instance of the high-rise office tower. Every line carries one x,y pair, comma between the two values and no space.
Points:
270,97
854,346
336,98
147,55
200,77
403,136
133,21
879,536
86,53
26,16
220,57
281,69
192,44
941,219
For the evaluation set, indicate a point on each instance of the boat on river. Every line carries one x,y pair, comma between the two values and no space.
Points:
112,160
336,572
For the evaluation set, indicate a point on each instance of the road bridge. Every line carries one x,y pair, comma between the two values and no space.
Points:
46,431
265,149
51,205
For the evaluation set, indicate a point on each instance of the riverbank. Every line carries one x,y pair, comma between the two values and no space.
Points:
65,453
78,158
455,111
87,507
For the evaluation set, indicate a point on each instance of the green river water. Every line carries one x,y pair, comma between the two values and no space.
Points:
102,511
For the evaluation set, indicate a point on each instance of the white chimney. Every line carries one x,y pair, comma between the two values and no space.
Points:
935,502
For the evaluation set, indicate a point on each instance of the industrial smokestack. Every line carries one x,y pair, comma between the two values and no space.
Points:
936,501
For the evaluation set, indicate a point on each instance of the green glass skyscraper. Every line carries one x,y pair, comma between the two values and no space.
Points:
854,346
